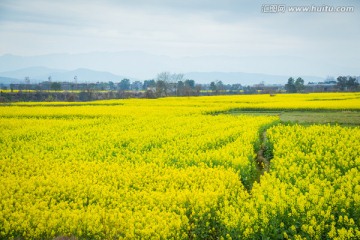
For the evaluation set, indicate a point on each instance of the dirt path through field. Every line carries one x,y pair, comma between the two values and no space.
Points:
263,164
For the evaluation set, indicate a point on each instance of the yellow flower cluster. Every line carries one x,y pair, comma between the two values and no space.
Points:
168,169
117,171
313,188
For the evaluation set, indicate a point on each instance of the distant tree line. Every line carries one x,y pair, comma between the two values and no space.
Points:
165,84
83,96
295,86
347,83
343,83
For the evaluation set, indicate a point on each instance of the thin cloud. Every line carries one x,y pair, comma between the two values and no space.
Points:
178,28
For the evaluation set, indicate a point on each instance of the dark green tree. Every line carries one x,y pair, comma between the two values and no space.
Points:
111,85
124,84
342,83
213,86
55,86
189,87
149,84
161,88
220,86
299,85
290,86
190,83
352,83
180,88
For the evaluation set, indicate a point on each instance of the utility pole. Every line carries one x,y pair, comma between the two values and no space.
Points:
75,81
49,79
27,82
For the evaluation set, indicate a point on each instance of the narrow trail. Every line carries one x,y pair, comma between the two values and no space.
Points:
263,163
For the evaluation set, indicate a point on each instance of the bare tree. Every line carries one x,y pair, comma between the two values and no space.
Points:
175,79
162,84
168,83
164,76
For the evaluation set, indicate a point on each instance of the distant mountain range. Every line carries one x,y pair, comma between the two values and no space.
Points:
102,66
8,81
39,74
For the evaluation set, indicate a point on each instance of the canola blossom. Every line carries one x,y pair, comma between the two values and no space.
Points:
313,188
171,169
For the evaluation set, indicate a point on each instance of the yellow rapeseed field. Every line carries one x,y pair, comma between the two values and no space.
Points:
172,169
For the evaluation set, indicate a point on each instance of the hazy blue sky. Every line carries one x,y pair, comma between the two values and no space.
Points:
180,28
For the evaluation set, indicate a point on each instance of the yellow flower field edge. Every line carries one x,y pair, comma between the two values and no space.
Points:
306,102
